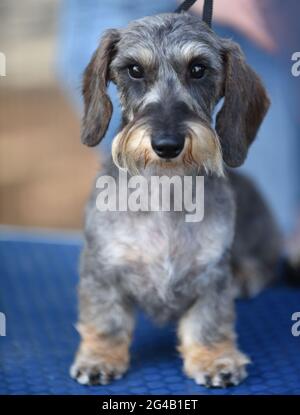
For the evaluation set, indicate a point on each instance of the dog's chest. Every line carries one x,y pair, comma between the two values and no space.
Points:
161,260
164,259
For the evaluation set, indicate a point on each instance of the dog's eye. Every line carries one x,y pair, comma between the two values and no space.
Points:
197,70
136,71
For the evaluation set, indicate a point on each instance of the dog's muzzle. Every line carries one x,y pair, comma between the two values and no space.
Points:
168,146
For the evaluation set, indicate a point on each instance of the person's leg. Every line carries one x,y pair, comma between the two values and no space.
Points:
272,160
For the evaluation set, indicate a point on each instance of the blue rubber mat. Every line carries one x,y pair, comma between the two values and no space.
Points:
38,297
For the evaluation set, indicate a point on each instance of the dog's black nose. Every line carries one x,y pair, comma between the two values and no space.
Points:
167,146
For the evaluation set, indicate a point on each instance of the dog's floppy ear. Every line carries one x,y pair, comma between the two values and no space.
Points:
97,104
245,105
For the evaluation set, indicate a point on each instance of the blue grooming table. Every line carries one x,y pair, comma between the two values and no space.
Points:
38,295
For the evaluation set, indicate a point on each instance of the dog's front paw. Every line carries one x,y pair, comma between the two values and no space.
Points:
218,366
100,359
222,372
88,371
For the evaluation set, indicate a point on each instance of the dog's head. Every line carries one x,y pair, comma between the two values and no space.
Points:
171,70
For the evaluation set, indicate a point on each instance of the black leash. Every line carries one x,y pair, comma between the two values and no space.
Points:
207,9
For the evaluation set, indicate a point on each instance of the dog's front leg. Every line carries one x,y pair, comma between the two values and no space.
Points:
207,343
105,326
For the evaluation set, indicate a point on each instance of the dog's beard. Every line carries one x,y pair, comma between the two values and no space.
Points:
132,151
131,148
203,149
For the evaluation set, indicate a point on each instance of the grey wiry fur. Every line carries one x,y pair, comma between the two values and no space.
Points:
171,268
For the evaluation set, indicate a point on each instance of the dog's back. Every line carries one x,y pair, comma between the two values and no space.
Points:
257,245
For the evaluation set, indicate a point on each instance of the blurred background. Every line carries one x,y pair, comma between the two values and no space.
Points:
46,173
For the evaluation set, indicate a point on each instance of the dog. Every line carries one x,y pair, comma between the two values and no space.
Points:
171,71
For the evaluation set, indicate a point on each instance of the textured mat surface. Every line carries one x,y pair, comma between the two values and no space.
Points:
38,296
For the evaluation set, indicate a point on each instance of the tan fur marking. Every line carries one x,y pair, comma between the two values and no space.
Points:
103,349
133,255
210,359
131,147
204,149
